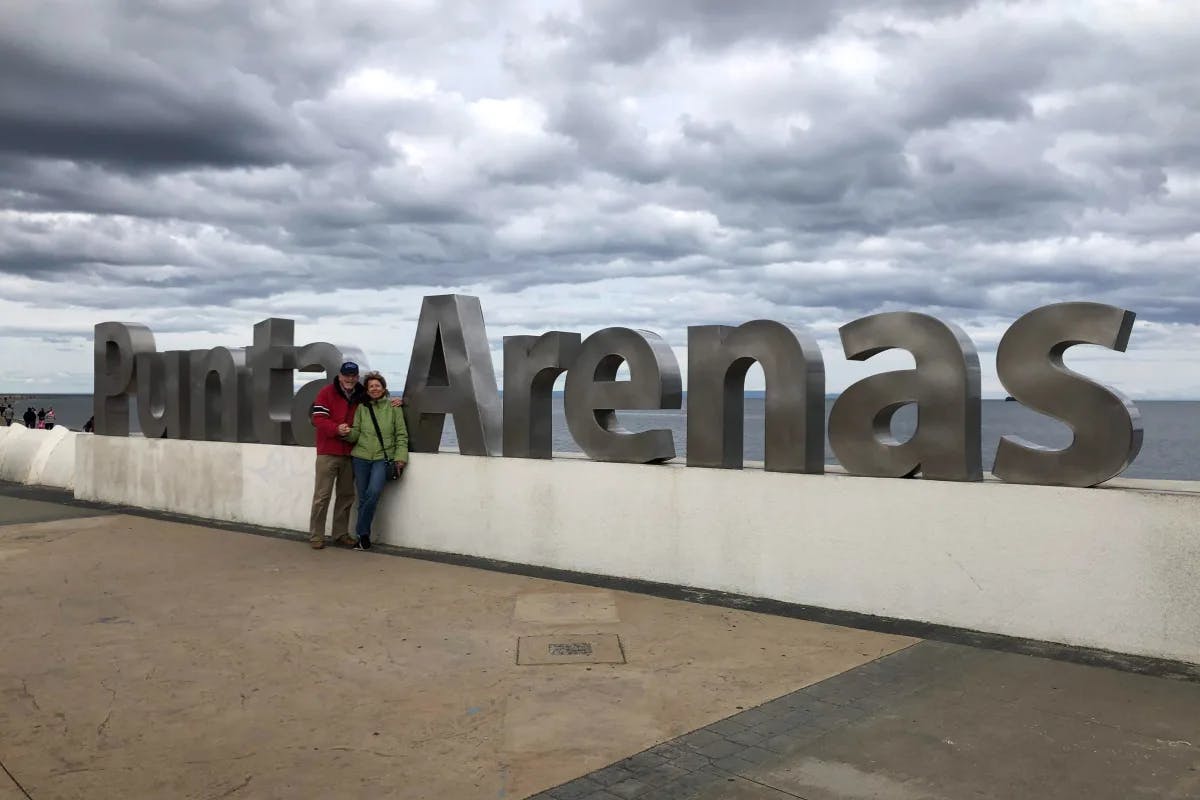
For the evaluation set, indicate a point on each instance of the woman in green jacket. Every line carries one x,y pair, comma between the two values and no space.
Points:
370,456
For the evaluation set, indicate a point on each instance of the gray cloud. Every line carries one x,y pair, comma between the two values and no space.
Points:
649,164
623,32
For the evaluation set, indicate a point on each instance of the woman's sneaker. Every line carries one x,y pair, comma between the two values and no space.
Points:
364,543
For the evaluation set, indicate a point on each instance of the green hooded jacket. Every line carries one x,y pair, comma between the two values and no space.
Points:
391,425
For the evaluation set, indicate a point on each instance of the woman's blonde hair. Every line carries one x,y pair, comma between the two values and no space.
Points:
374,375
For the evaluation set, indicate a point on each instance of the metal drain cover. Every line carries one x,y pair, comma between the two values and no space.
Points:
570,648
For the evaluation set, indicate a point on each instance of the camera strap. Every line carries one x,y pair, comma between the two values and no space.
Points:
379,433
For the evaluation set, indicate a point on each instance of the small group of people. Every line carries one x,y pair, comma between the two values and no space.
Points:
42,419
361,438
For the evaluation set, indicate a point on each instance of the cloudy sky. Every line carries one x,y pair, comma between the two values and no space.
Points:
198,165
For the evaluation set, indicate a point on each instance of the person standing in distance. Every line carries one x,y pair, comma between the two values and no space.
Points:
334,407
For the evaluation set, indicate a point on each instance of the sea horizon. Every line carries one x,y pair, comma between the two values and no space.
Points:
1170,450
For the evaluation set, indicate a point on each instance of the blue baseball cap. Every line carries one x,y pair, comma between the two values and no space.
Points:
349,368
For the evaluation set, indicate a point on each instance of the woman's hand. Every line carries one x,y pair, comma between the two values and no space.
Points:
343,429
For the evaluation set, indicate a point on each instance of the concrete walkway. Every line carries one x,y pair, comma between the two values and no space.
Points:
145,658
934,722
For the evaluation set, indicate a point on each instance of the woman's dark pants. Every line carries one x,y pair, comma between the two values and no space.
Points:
369,480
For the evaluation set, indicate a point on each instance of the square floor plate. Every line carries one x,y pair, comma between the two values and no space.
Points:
570,648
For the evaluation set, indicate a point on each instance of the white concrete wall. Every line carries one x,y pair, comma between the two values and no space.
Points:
1115,568
38,457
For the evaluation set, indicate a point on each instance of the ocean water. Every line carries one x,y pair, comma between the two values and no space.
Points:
1171,449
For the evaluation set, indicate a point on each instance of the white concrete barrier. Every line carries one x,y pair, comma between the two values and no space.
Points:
55,464
1114,568
17,450
254,483
38,457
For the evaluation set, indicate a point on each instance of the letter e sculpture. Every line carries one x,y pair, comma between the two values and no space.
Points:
593,394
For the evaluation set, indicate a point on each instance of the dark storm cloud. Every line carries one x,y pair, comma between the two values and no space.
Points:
122,108
165,85
122,118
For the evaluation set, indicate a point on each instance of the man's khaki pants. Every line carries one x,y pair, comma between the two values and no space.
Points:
332,471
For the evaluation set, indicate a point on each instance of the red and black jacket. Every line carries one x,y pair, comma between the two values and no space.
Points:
330,409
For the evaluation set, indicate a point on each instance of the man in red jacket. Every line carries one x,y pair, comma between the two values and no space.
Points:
335,406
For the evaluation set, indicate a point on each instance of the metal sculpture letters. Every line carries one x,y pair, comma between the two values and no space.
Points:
450,372
1107,426
718,358
272,362
944,386
531,366
593,394
221,397
163,402
117,345
246,394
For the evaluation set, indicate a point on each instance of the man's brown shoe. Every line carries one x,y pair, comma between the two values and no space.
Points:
317,544
345,540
